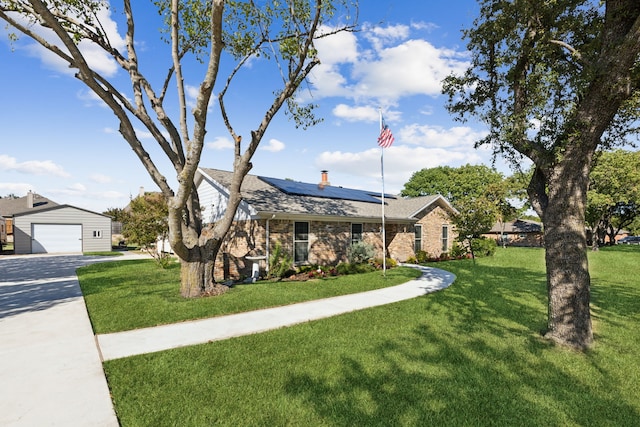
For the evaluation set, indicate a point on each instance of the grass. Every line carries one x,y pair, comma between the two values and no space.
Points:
468,355
104,253
133,294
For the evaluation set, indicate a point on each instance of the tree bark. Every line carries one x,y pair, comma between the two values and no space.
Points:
197,268
568,279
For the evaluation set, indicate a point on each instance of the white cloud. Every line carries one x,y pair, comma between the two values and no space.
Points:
220,143
100,178
77,187
18,188
356,114
32,167
273,145
387,71
415,67
93,54
438,137
364,114
428,147
381,36
337,48
400,162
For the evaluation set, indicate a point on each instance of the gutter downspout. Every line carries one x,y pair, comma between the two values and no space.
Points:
267,242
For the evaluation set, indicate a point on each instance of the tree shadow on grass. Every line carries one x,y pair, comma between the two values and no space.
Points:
475,359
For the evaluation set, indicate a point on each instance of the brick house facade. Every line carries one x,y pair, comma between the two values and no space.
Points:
317,223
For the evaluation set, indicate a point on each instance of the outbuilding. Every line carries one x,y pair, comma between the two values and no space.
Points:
61,229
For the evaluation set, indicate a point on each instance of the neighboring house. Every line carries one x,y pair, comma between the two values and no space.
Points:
3,232
11,205
316,223
43,226
517,233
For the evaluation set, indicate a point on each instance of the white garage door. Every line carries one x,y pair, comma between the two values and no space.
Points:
52,238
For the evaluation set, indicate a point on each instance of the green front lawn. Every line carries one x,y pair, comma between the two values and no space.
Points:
133,294
465,356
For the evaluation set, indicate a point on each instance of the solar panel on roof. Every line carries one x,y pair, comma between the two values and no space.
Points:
327,191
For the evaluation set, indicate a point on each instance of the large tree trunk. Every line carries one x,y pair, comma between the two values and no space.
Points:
568,280
197,267
196,276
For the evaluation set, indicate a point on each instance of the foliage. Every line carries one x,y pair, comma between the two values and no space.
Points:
280,262
458,250
360,252
377,263
468,355
468,181
475,217
146,223
613,200
117,214
481,194
422,256
483,247
554,81
202,38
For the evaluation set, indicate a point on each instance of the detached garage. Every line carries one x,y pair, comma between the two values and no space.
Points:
61,229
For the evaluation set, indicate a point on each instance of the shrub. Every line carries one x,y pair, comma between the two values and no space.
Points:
164,260
363,268
280,263
360,252
377,263
458,250
345,268
422,257
483,247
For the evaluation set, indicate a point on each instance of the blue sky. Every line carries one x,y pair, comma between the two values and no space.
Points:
58,141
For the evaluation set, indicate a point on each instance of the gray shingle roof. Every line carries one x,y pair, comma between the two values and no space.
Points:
517,226
10,206
267,199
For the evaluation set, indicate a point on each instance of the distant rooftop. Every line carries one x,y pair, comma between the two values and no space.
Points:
10,206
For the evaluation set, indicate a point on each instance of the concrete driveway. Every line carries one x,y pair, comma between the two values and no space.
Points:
50,368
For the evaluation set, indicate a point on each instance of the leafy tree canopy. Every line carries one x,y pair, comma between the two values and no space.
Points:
451,182
613,200
145,222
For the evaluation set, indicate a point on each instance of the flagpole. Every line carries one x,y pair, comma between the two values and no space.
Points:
384,234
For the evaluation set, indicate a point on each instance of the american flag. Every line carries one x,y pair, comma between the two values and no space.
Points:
386,137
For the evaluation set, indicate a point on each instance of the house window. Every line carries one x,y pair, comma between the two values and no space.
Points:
301,242
97,234
356,233
417,245
445,238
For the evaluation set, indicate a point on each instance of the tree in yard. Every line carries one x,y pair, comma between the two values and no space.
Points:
117,214
146,223
452,183
203,38
475,216
481,195
554,81
613,200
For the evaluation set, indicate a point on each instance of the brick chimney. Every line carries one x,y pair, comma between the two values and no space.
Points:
324,181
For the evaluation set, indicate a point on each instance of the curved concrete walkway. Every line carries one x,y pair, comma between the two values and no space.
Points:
51,366
158,338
